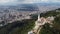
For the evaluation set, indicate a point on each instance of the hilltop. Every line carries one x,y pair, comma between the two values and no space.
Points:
22,27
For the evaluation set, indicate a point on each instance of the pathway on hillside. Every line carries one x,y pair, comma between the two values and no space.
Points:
39,30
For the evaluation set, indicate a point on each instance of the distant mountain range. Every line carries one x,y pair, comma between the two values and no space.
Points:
31,7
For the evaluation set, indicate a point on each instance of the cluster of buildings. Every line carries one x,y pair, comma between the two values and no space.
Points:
40,22
13,16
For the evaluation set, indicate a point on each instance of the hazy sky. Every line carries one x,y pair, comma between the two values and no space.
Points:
27,1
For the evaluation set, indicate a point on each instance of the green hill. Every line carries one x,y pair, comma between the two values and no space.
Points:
56,23
18,27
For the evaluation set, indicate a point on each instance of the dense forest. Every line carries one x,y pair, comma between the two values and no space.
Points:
55,29
18,27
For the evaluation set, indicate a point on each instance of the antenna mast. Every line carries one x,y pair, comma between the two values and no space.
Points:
38,13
